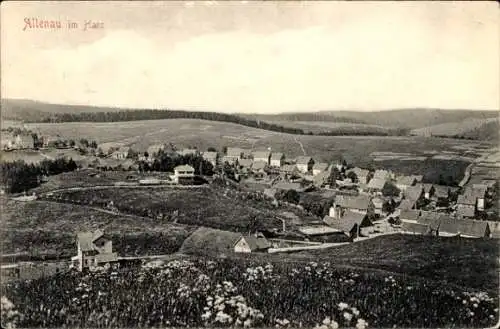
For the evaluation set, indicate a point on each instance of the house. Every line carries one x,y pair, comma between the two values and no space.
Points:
429,191
322,233
108,148
360,204
378,206
466,201
441,193
319,167
409,215
289,169
23,142
211,157
250,243
431,219
414,228
406,205
229,160
383,174
262,156
403,182
186,152
121,153
153,150
350,223
7,141
464,228
376,185
322,178
277,159
414,193
479,191
183,174
259,166
361,174
304,163
245,164
233,154
93,249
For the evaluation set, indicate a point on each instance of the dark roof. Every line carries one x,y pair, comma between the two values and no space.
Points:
409,214
441,191
353,202
415,227
472,228
466,212
349,221
406,204
304,159
467,199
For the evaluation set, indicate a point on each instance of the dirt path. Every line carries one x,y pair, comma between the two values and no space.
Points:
300,143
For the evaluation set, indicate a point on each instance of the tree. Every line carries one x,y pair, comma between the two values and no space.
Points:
211,149
132,154
290,196
389,206
72,143
84,142
224,149
390,189
334,176
352,176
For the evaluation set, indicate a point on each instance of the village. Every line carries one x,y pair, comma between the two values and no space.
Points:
363,203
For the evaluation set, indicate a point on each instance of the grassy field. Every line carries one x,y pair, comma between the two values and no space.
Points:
454,128
203,206
328,126
49,228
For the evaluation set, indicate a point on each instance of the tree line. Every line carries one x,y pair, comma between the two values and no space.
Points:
167,161
19,176
136,115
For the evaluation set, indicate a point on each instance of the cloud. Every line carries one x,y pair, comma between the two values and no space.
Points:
381,63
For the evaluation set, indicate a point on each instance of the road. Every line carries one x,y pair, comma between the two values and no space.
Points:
300,143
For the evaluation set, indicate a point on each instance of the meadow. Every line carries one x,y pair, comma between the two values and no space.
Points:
47,230
224,293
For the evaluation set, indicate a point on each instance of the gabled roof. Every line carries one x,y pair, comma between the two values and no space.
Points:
261,154
360,172
259,165
317,230
427,188
413,193
466,212
429,218
86,239
255,243
376,183
467,199
245,163
409,214
381,173
184,168
277,156
471,228
406,204
288,168
353,202
322,166
234,152
415,227
349,221
441,191
153,149
304,159
287,186
406,180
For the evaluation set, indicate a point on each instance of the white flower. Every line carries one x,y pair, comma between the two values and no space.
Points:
361,324
326,321
475,305
347,316
355,311
343,306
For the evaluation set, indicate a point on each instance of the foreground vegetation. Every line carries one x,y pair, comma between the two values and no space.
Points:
223,293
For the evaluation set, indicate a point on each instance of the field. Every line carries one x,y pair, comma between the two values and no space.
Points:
328,126
203,206
247,293
454,128
48,229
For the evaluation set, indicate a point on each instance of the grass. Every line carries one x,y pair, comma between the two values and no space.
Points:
48,229
467,262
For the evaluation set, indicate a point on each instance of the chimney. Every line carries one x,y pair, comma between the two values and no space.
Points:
333,211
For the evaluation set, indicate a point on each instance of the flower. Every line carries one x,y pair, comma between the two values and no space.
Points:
347,316
361,324
343,306
355,311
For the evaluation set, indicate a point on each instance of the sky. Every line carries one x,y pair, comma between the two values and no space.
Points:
250,56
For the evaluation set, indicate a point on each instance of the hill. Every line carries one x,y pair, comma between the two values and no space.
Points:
478,129
400,118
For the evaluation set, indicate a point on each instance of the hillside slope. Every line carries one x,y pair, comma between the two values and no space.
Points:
481,129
